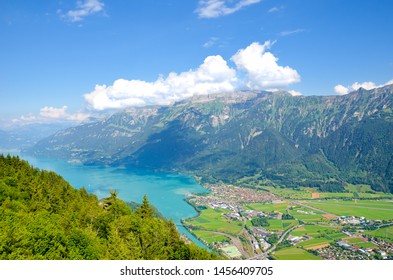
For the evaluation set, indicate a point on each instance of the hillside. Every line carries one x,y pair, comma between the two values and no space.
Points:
315,141
43,217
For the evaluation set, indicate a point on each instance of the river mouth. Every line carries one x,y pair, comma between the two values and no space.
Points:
166,191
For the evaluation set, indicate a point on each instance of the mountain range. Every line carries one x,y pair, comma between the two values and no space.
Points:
275,138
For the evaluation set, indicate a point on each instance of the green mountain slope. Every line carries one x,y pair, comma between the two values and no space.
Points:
317,141
43,217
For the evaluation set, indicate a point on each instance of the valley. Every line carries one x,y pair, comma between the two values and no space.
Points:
266,223
289,177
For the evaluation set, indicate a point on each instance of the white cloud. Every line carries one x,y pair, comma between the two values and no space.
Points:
291,32
256,70
273,10
342,90
212,41
213,76
61,114
51,115
262,69
84,9
295,93
217,8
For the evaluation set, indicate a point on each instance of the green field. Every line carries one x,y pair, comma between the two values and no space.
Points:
213,219
210,237
268,207
277,225
363,191
232,251
316,231
360,243
383,233
370,209
315,217
309,244
294,253
301,193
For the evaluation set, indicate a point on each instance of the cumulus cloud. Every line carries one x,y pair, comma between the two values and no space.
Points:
84,9
262,69
61,114
51,115
342,90
256,69
218,8
213,76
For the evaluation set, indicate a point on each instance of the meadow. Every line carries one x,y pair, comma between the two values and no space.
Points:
210,237
384,233
294,253
268,207
317,231
213,220
370,209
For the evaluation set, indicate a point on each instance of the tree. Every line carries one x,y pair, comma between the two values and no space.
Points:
145,211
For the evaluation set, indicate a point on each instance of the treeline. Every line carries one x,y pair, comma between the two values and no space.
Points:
43,217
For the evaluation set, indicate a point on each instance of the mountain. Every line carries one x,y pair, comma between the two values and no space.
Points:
24,136
316,141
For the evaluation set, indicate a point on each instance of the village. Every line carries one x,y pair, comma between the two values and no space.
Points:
257,239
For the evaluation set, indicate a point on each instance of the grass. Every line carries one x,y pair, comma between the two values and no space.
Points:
309,244
294,253
371,209
316,216
364,191
277,225
232,251
383,233
316,231
360,243
212,219
268,207
210,237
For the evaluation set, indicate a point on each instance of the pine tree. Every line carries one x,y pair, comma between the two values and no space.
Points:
145,211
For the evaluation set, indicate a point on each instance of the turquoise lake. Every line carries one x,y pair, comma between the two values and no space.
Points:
164,190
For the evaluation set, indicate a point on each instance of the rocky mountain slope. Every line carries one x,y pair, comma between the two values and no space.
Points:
316,141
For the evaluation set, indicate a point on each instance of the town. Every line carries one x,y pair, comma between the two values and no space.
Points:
252,223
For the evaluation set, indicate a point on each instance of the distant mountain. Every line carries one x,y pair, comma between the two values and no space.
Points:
315,141
22,137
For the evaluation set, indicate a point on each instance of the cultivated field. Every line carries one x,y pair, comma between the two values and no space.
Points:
213,219
370,209
385,233
294,253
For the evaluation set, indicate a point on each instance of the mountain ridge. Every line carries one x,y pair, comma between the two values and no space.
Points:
317,141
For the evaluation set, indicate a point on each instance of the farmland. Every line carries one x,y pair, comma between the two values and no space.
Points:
254,220
385,233
370,209
294,254
213,219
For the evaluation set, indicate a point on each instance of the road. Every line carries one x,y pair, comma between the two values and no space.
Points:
263,256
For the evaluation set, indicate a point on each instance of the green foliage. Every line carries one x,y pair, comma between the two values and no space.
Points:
43,217
260,222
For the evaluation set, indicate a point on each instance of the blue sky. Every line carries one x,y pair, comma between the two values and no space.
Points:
67,60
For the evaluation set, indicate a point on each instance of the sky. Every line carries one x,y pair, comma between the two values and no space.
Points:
70,60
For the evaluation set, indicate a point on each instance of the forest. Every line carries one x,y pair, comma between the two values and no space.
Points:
42,217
